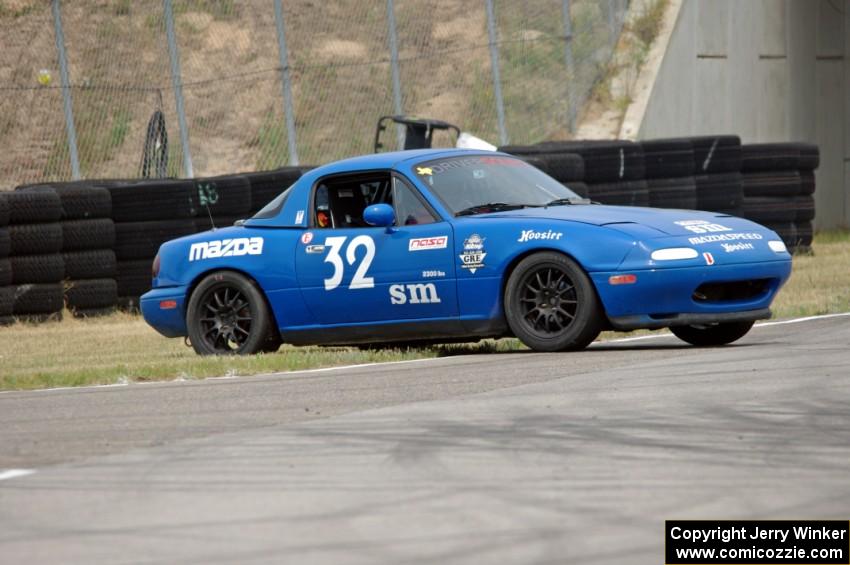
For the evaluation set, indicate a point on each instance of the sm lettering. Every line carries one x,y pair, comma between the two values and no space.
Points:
414,294
226,248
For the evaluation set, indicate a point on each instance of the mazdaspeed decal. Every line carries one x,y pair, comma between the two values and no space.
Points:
421,243
528,235
723,237
226,248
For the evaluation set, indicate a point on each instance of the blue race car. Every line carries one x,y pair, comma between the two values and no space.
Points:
457,245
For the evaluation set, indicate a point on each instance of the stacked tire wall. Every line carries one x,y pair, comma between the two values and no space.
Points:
7,291
770,183
35,269
90,244
149,213
88,241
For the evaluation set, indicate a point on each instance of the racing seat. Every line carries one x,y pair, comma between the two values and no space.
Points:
346,206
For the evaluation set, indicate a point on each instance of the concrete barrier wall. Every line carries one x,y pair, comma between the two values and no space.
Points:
768,70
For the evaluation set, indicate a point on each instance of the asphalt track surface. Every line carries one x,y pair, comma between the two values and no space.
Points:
503,458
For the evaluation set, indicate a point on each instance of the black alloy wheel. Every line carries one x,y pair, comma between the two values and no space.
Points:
551,304
227,315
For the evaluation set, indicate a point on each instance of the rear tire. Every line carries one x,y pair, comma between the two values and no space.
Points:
227,315
711,335
551,305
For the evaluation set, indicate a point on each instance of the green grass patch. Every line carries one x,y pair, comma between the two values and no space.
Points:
122,348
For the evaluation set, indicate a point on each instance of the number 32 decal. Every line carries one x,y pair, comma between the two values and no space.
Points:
334,257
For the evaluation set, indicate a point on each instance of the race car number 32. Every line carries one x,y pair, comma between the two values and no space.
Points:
334,257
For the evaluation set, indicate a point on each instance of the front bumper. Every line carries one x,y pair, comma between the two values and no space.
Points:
628,323
664,297
166,318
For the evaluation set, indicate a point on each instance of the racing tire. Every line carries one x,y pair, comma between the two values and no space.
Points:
94,264
676,192
152,200
770,157
5,272
719,191
141,240
563,167
805,206
5,243
228,315
551,305
37,268
717,154
91,294
38,299
712,335
579,188
772,183
7,300
668,158
81,201
35,239
34,206
622,193
81,235
4,210
807,182
809,156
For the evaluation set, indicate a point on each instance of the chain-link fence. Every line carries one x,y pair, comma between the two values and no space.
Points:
257,84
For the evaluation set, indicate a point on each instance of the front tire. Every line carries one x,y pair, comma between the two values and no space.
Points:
551,305
713,334
227,315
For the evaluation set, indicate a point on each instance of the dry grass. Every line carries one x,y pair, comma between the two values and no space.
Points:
122,348
819,283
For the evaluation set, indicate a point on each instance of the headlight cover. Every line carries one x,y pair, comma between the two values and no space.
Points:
674,254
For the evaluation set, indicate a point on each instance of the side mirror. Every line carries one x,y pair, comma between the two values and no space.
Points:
379,215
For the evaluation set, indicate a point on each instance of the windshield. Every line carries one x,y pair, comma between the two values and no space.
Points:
475,184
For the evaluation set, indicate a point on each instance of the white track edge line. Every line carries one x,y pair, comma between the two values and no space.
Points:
362,365
15,473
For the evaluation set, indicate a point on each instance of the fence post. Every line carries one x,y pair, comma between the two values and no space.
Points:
494,66
568,59
177,84
65,84
288,108
393,40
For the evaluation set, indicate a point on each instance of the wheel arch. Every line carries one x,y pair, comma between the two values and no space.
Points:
201,276
516,260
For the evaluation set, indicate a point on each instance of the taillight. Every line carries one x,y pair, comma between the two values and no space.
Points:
155,267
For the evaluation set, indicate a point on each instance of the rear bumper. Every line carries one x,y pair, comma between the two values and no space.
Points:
167,320
628,323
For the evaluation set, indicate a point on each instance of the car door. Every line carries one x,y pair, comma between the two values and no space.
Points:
350,272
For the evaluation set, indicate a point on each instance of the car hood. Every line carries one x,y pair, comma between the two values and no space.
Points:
666,222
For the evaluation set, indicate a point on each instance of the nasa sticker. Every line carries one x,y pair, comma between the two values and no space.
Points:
709,258
473,254
307,237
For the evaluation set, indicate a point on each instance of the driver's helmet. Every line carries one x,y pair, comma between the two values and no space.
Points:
323,217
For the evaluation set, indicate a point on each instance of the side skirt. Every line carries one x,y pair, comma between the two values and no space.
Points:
436,330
